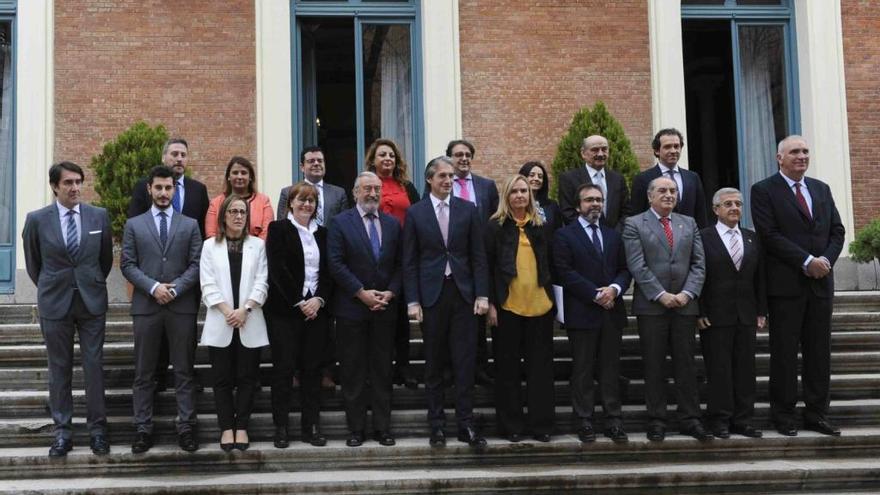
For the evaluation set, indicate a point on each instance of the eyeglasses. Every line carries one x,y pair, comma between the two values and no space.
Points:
312,161
731,204
236,213
593,200
462,154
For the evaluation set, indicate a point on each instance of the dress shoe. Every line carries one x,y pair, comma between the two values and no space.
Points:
312,435
656,433
822,426
437,438
470,436
616,434
483,378
187,441
227,447
514,437
356,439
99,444
721,431
698,431
746,431
384,438
586,433
542,437
787,430
142,443
61,447
280,439
242,446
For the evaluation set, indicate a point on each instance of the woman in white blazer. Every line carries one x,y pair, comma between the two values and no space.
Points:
233,273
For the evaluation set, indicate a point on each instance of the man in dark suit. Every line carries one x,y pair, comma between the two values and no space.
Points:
446,283
733,306
160,257
802,236
594,151
68,251
667,145
664,254
591,267
364,248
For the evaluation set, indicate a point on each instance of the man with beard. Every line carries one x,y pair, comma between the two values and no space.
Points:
363,247
594,151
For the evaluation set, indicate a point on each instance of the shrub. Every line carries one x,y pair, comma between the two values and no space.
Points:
866,247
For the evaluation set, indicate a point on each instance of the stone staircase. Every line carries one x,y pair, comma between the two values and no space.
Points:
808,463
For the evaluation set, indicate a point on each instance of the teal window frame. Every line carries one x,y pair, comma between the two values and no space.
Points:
8,10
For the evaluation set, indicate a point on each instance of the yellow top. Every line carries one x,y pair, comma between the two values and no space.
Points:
525,296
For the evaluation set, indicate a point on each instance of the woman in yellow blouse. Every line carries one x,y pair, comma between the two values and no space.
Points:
521,304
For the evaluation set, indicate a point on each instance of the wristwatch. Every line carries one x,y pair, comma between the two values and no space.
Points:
248,308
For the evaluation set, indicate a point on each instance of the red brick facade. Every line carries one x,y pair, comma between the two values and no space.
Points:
188,65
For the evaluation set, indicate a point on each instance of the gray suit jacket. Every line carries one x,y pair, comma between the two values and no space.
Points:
656,268
52,269
144,262
335,201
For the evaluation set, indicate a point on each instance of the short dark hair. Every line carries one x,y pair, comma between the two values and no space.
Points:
669,131
526,169
456,142
244,162
174,140
160,171
309,149
431,168
55,172
584,187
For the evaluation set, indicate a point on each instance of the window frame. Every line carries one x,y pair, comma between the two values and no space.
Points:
8,250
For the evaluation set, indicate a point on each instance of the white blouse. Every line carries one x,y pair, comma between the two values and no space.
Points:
311,254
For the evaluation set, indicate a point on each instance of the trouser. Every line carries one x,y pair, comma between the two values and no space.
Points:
235,367
729,357
596,352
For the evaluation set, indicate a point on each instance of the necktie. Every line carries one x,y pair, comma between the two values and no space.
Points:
595,238
599,180
443,220
320,216
72,237
163,229
374,235
671,174
667,229
802,201
175,200
463,191
736,253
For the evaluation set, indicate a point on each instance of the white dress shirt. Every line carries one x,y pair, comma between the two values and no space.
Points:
311,254
599,181
806,193
664,170
77,219
725,237
456,188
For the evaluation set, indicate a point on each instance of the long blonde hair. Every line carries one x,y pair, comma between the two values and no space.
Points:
504,210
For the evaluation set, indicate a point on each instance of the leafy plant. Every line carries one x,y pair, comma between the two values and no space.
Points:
866,247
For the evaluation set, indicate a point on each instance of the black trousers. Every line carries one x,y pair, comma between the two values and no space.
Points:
296,343
596,352
528,338
364,349
800,323
673,334
449,330
235,367
401,338
729,356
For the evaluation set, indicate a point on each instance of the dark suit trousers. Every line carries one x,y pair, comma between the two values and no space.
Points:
800,322
235,367
298,343
596,351
364,349
401,338
449,328
531,339
58,336
674,334
148,331
729,356
162,361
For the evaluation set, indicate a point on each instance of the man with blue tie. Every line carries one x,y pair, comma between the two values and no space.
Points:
363,246
68,251
446,282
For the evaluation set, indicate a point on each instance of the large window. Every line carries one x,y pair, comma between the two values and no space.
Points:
7,146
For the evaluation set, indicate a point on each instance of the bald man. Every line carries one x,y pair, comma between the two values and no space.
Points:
595,152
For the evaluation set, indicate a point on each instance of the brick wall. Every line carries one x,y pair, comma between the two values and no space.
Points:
188,65
528,65
861,51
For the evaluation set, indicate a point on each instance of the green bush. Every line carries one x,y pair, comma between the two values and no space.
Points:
587,122
866,247
121,164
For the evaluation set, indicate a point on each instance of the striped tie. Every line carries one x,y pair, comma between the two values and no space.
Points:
667,230
736,253
72,236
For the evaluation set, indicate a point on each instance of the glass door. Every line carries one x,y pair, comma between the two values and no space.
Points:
7,157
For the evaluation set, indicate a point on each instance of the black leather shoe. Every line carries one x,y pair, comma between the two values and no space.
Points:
470,436
60,447
822,426
187,441
312,435
483,378
437,438
514,437
586,433
787,430
542,437
746,431
384,438
616,434
699,432
281,439
99,445
721,431
656,433
227,447
356,439
142,443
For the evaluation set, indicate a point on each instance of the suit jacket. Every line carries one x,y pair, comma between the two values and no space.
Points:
144,262
353,265
55,273
693,198
616,204
216,283
656,268
581,270
425,255
284,254
502,244
195,201
335,201
486,192
788,236
732,296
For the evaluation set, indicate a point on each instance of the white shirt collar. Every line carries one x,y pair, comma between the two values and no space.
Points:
791,182
722,230
63,209
592,171
664,168
155,211
319,184
313,225
363,213
436,201
586,223
466,177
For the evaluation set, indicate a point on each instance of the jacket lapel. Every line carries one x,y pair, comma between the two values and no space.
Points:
55,221
358,224
581,234
656,227
150,226
718,245
788,196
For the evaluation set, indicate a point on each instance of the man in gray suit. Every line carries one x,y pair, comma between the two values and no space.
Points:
331,199
160,257
68,251
664,253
